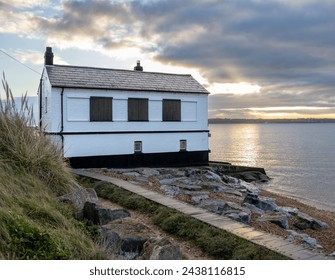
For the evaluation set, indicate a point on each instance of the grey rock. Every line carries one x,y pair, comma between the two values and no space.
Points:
263,203
131,174
78,198
190,188
97,215
170,190
275,218
132,234
306,238
233,192
149,172
199,198
241,216
168,181
254,209
211,176
110,240
161,249
304,221
288,211
215,206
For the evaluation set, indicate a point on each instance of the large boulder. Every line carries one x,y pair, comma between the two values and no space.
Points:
304,221
263,203
128,236
161,249
275,218
78,198
97,215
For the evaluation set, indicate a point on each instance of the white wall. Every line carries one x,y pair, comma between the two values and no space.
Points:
194,116
123,144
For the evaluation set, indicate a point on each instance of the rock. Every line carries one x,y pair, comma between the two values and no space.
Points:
306,238
190,188
215,206
263,203
161,249
252,176
243,217
304,221
275,218
237,212
110,240
132,234
131,174
170,190
78,198
97,215
233,192
229,179
211,176
254,209
199,198
149,172
288,211
168,181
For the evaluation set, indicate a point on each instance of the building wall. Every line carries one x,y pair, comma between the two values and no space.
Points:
81,138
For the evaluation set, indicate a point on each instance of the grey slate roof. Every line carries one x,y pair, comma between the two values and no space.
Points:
116,79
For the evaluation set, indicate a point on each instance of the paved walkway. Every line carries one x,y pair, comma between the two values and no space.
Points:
270,241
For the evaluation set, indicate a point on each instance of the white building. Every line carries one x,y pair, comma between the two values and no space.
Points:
124,118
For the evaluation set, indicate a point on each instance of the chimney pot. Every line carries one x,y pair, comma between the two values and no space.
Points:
138,67
48,56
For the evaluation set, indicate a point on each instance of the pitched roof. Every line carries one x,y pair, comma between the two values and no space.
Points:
116,79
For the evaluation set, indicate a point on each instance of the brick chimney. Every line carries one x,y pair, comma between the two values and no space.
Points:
48,56
138,67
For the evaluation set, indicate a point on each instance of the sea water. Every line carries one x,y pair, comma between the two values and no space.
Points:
299,157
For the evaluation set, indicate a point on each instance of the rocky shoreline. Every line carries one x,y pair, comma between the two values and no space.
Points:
239,196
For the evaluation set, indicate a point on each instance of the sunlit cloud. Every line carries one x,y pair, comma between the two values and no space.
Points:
234,88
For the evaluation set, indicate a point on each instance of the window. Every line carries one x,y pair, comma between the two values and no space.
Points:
183,145
171,110
138,109
101,109
138,146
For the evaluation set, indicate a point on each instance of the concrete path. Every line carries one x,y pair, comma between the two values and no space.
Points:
270,241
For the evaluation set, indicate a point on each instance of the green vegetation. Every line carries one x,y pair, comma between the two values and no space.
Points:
216,242
33,225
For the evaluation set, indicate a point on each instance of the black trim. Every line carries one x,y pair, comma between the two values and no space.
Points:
40,101
125,132
172,159
62,117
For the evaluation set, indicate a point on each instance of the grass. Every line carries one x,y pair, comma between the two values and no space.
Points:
215,242
33,225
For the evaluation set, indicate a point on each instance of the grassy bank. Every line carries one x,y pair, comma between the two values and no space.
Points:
215,242
33,225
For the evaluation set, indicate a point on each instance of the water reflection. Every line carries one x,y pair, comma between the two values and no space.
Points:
240,142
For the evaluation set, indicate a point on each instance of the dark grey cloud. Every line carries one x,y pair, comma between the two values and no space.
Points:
286,48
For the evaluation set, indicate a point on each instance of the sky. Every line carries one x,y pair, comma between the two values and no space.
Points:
258,58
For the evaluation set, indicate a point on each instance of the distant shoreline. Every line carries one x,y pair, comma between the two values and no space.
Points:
259,121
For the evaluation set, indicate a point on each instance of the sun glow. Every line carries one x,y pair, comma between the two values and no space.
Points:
233,88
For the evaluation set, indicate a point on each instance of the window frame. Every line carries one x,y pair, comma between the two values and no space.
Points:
171,114
136,112
97,115
138,151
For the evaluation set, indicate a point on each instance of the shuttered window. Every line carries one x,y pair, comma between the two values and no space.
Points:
101,109
138,109
171,110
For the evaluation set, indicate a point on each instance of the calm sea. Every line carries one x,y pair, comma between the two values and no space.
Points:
300,158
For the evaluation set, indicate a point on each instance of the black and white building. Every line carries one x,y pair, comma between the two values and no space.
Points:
124,118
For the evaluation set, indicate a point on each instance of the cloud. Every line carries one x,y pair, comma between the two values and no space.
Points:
283,48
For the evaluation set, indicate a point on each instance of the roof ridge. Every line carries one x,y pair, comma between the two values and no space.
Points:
115,69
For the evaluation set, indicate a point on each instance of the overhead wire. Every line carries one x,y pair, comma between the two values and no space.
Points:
20,62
